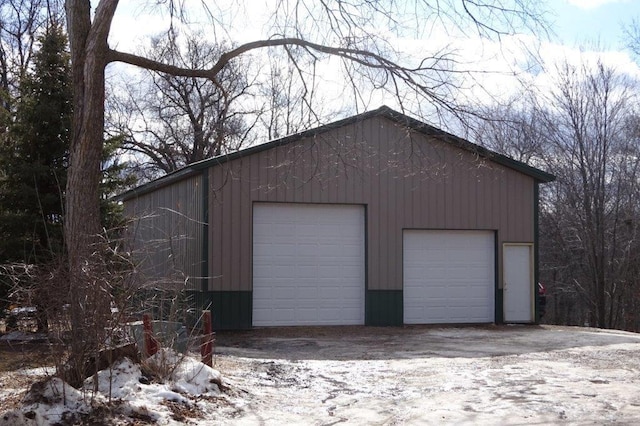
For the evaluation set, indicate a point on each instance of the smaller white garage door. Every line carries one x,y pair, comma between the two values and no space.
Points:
308,264
449,276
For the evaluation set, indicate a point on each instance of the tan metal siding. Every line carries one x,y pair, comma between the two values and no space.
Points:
404,179
245,219
167,234
216,183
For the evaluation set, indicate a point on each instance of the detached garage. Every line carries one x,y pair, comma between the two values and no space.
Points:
378,219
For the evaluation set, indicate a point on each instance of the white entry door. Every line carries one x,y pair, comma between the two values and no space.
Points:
518,282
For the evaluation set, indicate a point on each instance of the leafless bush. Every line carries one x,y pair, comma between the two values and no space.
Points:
116,279
39,292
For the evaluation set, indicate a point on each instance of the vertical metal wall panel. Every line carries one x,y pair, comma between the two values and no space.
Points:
227,227
219,244
167,234
237,195
406,180
245,219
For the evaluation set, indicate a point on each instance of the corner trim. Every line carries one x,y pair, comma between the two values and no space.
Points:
536,249
204,273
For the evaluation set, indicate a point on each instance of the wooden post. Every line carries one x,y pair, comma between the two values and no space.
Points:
150,343
206,348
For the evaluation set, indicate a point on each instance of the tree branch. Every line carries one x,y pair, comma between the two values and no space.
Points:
363,57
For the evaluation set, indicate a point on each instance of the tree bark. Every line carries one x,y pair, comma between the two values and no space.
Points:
89,299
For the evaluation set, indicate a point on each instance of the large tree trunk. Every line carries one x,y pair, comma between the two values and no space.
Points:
89,293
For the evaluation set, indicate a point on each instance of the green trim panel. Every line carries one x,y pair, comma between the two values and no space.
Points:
499,295
384,308
230,310
499,306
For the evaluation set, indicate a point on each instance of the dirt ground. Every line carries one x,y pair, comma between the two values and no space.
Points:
14,360
409,375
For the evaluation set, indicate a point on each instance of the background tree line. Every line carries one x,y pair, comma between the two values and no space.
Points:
34,146
583,129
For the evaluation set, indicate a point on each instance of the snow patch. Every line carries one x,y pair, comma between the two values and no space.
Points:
187,374
55,402
196,378
120,381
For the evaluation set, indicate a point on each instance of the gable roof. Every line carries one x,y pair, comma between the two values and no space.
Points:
383,111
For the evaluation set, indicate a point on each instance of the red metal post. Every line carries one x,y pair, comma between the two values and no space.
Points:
206,348
150,343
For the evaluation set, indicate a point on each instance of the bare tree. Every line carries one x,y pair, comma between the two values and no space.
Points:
582,132
21,22
169,121
292,102
512,129
345,30
585,137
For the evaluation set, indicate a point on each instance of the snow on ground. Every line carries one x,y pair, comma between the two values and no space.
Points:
519,375
362,375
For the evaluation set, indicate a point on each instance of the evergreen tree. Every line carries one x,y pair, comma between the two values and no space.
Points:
34,157
34,150
33,171
116,178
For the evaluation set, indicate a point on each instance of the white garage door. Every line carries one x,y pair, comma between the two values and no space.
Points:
449,276
308,264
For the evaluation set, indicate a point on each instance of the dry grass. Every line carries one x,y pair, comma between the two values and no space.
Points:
14,358
28,355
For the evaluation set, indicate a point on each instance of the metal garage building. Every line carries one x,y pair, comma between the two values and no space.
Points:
377,219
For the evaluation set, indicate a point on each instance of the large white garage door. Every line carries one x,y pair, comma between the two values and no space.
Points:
308,264
449,276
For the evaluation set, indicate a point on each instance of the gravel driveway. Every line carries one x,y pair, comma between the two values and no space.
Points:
414,375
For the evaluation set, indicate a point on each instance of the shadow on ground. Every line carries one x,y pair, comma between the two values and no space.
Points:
385,343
